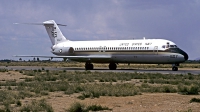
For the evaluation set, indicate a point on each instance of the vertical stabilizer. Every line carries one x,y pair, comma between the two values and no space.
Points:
54,32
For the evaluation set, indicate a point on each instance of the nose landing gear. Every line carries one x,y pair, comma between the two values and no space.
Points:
175,67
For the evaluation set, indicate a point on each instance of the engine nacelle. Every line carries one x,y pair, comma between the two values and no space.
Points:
63,51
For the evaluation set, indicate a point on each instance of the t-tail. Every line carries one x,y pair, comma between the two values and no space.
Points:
54,32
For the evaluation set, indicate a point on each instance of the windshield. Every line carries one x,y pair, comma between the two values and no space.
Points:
173,46
169,46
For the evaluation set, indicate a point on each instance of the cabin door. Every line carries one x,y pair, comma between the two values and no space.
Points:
155,50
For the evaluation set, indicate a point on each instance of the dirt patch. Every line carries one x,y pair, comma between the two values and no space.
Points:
12,76
147,102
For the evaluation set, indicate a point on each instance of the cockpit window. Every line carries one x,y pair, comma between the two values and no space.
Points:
173,46
169,46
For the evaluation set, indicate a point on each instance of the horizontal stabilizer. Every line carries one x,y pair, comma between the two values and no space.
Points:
38,24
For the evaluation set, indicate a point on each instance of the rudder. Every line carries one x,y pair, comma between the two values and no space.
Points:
54,32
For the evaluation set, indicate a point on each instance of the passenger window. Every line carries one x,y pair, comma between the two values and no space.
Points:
163,46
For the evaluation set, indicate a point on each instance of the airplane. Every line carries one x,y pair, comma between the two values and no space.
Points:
142,51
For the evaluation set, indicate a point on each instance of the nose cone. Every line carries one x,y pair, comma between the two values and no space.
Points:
178,50
184,54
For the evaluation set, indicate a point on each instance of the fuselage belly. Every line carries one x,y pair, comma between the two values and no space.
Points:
150,58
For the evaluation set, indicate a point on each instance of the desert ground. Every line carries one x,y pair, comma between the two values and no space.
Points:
147,102
143,102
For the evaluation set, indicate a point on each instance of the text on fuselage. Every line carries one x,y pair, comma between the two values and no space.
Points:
134,44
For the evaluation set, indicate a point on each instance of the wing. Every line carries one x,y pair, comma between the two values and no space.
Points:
76,58
89,56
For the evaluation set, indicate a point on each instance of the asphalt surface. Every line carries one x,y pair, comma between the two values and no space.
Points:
150,70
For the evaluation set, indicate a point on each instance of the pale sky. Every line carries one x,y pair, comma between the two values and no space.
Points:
175,20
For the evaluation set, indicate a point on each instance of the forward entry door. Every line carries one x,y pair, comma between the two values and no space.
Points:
155,50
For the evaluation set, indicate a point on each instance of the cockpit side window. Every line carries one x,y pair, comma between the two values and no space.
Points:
169,46
173,46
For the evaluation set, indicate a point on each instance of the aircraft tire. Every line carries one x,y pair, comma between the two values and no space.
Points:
89,66
112,66
174,68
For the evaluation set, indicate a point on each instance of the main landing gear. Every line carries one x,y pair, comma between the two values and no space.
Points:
112,66
89,66
175,67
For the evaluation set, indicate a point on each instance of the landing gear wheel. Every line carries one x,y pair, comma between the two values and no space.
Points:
112,66
174,68
89,66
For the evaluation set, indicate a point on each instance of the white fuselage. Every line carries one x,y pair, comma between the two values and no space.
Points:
158,51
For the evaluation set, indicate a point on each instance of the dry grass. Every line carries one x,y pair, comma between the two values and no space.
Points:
153,102
60,89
